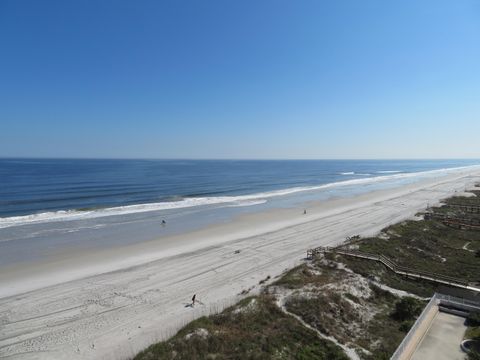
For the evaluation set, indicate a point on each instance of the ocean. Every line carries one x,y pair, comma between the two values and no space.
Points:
56,203
35,186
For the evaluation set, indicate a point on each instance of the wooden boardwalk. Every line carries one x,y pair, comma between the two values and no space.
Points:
454,221
391,265
468,208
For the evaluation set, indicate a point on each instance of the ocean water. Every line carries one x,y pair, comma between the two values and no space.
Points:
54,204
33,186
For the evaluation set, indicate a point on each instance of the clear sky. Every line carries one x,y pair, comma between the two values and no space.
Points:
240,79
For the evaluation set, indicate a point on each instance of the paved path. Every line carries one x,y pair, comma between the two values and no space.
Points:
442,341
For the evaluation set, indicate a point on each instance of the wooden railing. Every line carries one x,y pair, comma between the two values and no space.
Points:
454,221
391,265
468,208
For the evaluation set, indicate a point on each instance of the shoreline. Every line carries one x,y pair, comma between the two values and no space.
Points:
75,263
70,214
153,285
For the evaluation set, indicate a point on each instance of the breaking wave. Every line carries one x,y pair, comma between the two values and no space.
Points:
187,202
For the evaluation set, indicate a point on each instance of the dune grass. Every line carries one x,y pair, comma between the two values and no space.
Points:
255,328
429,245
325,298
378,272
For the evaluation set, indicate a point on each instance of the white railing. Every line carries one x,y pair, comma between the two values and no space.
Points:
406,342
434,301
452,300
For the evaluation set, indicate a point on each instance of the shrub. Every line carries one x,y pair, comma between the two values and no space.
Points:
473,355
406,325
407,308
473,319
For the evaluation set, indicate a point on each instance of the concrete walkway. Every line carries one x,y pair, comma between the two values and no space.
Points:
442,341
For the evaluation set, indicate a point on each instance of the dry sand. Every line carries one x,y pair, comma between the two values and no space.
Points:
114,303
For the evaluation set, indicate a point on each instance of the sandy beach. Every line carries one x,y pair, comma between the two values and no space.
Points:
113,303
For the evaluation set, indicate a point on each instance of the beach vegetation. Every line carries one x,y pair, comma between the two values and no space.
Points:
426,245
473,355
377,272
473,319
355,312
407,308
262,332
308,275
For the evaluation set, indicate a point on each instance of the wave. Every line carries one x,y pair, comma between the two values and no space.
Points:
355,173
248,203
389,171
241,200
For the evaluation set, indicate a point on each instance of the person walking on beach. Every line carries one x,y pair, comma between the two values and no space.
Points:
193,299
305,212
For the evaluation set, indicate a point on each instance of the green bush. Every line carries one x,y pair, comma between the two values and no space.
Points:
406,325
473,319
408,308
473,355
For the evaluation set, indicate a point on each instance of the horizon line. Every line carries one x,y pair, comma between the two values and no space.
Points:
227,159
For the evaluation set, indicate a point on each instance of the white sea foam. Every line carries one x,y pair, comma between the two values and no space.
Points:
242,200
355,173
389,171
247,203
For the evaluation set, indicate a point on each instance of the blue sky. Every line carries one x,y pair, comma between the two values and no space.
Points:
240,79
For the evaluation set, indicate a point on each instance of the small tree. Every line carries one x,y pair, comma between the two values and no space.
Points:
473,319
407,309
